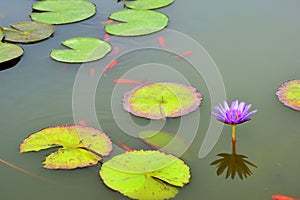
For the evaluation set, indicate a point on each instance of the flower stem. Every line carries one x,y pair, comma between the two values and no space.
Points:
233,138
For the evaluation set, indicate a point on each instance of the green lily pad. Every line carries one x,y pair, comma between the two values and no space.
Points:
81,146
161,100
82,49
165,141
148,4
289,94
135,22
28,32
145,174
62,11
8,51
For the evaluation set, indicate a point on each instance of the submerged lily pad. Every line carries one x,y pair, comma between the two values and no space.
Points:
82,49
145,174
161,139
62,11
148,4
28,32
134,22
289,94
8,51
161,100
81,146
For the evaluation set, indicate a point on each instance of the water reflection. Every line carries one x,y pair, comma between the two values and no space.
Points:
235,164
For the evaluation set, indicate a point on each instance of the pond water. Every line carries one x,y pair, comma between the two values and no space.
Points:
254,47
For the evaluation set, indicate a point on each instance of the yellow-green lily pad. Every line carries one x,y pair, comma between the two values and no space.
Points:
28,32
82,49
8,51
148,4
62,11
145,174
134,22
289,94
162,99
80,146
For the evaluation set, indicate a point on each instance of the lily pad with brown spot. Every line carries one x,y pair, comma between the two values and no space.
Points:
161,99
289,94
28,32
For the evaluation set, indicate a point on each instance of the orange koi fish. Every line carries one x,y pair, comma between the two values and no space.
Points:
129,81
106,37
92,72
161,41
184,55
281,197
110,65
110,21
124,146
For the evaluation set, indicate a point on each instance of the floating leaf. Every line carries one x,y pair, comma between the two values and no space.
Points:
81,146
8,51
145,174
82,49
28,32
148,4
161,139
136,22
289,94
63,11
161,100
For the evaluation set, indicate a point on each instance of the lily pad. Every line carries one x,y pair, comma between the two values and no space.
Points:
145,174
28,32
81,146
162,99
148,4
82,49
8,51
134,22
164,141
289,94
62,11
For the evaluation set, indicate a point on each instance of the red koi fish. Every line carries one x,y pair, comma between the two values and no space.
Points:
129,81
110,65
124,146
184,55
161,41
281,197
106,37
92,72
116,51
110,21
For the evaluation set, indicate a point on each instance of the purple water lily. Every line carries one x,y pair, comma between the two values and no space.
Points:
236,114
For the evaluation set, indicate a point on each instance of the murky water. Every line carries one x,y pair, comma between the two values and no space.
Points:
256,47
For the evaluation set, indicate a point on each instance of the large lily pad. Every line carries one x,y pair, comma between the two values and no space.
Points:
148,4
28,32
82,49
145,174
62,11
289,94
81,146
162,99
134,22
165,141
8,51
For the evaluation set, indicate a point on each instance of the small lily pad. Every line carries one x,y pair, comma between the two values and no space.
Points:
82,49
148,4
162,99
145,174
28,32
81,146
134,22
289,94
8,51
62,11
